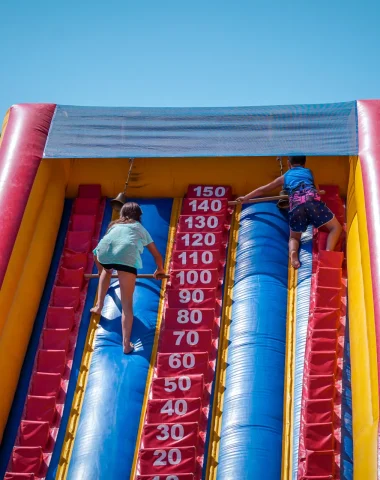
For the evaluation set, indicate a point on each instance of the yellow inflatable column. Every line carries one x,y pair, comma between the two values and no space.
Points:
364,372
24,303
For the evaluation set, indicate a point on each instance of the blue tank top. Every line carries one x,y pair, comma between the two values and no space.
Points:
298,177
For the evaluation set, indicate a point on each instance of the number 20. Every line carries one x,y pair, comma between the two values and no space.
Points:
173,457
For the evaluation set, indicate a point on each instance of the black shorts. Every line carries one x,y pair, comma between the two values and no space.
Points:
120,268
313,212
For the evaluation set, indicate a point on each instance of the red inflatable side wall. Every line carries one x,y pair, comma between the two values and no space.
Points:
20,155
369,154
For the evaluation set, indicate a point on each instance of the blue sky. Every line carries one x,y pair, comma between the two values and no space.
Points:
188,53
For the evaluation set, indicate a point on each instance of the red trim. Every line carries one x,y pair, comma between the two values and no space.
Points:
369,154
20,155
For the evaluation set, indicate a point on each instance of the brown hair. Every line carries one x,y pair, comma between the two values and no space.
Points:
297,160
130,212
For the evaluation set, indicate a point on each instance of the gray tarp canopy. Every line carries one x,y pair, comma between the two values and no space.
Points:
101,132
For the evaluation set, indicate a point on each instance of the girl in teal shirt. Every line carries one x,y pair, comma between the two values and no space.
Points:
120,249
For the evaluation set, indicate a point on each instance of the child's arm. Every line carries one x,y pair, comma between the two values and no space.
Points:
157,258
261,191
316,185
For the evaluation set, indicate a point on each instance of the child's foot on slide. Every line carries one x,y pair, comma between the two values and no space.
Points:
97,309
294,260
129,349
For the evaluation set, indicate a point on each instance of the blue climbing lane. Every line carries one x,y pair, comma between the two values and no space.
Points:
251,435
106,436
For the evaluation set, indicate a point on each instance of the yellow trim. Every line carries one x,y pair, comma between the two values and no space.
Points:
364,380
287,436
176,209
220,381
160,177
22,244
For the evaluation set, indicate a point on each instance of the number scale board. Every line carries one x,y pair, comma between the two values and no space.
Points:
174,432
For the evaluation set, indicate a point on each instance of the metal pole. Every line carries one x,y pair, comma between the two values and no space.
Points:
259,200
266,199
141,275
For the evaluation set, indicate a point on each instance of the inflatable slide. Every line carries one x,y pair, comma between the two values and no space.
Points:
243,367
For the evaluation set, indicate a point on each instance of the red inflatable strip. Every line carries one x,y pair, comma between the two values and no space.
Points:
320,428
52,368
369,155
175,423
21,151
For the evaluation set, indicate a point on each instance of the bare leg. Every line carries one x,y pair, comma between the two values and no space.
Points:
335,229
104,283
99,266
294,246
127,287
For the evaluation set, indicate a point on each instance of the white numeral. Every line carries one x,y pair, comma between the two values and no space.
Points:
179,336
192,338
174,457
209,191
179,407
175,432
206,257
201,222
197,296
161,458
194,316
192,277
205,205
176,361
199,239
220,191
184,384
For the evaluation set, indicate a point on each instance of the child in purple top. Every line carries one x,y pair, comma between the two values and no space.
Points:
306,206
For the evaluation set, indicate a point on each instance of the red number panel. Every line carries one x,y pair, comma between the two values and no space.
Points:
190,259
192,298
216,191
185,386
190,318
167,460
165,435
202,206
195,278
174,410
199,241
176,418
169,364
185,341
201,223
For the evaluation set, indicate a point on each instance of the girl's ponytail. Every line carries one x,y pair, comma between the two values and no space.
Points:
130,212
